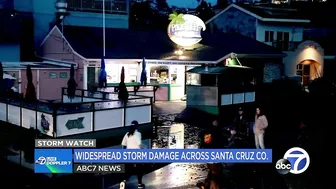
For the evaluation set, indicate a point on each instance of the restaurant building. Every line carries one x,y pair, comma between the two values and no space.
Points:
166,62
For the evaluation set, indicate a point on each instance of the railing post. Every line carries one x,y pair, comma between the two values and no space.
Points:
155,127
83,95
124,104
93,116
7,101
36,109
21,112
54,115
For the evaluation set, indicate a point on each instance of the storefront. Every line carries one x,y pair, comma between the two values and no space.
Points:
171,78
167,57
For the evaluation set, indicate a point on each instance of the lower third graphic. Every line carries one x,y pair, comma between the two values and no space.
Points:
53,161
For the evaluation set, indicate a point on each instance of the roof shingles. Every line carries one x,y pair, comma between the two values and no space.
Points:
135,44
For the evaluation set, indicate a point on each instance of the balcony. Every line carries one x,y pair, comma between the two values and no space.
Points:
285,45
111,6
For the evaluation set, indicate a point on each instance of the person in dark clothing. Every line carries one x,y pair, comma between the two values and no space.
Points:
240,123
212,138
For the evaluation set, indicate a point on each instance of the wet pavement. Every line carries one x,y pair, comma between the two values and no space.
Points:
169,107
175,175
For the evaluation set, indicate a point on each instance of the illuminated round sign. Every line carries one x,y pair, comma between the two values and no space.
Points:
187,33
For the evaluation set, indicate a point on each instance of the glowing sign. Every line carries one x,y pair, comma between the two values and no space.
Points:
187,33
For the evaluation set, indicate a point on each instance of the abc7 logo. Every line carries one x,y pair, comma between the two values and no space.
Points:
284,166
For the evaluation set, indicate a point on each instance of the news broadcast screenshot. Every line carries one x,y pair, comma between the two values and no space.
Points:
166,94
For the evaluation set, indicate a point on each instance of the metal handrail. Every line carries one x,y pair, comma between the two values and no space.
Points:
111,6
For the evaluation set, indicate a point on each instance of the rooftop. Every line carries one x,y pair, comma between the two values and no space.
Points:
216,69
135,44
266,13
35,65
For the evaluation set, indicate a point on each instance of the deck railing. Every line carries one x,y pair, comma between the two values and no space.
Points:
83,114
111,6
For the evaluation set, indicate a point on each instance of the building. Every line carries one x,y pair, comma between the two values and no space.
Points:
47,14
36,18
166,62
282,28
44,73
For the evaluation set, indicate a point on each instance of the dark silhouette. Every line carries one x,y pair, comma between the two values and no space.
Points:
322,87
30,91
143,16
72,85
204,11
122,93
162,4
222,4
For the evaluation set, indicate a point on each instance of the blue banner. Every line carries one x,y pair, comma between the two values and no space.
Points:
173,156
53,161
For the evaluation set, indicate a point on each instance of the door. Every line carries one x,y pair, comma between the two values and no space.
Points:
91,78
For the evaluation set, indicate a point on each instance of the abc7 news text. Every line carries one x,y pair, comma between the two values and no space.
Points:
99,168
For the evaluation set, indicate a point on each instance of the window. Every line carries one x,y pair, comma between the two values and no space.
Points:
111,6
269,36
303,70
159,74
52,75
63,75
193,79
282,40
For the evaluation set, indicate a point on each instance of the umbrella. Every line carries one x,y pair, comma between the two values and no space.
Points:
143,78
102,77
7,76
30,91
122,75
123,93
72,85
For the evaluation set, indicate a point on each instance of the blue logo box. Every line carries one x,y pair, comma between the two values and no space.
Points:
53,161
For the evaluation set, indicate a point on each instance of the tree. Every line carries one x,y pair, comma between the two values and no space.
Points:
162,4
222,4
143,16
204,11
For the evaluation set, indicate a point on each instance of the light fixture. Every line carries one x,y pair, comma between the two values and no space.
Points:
179,52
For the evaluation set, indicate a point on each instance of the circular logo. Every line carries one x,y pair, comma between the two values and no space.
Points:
187,33
41,160
299,159
283,166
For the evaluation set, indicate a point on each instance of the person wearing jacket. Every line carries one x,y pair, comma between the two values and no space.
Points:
211,138
240,123
132,140
259,127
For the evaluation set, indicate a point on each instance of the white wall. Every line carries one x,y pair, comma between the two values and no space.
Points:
279,27
303,52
